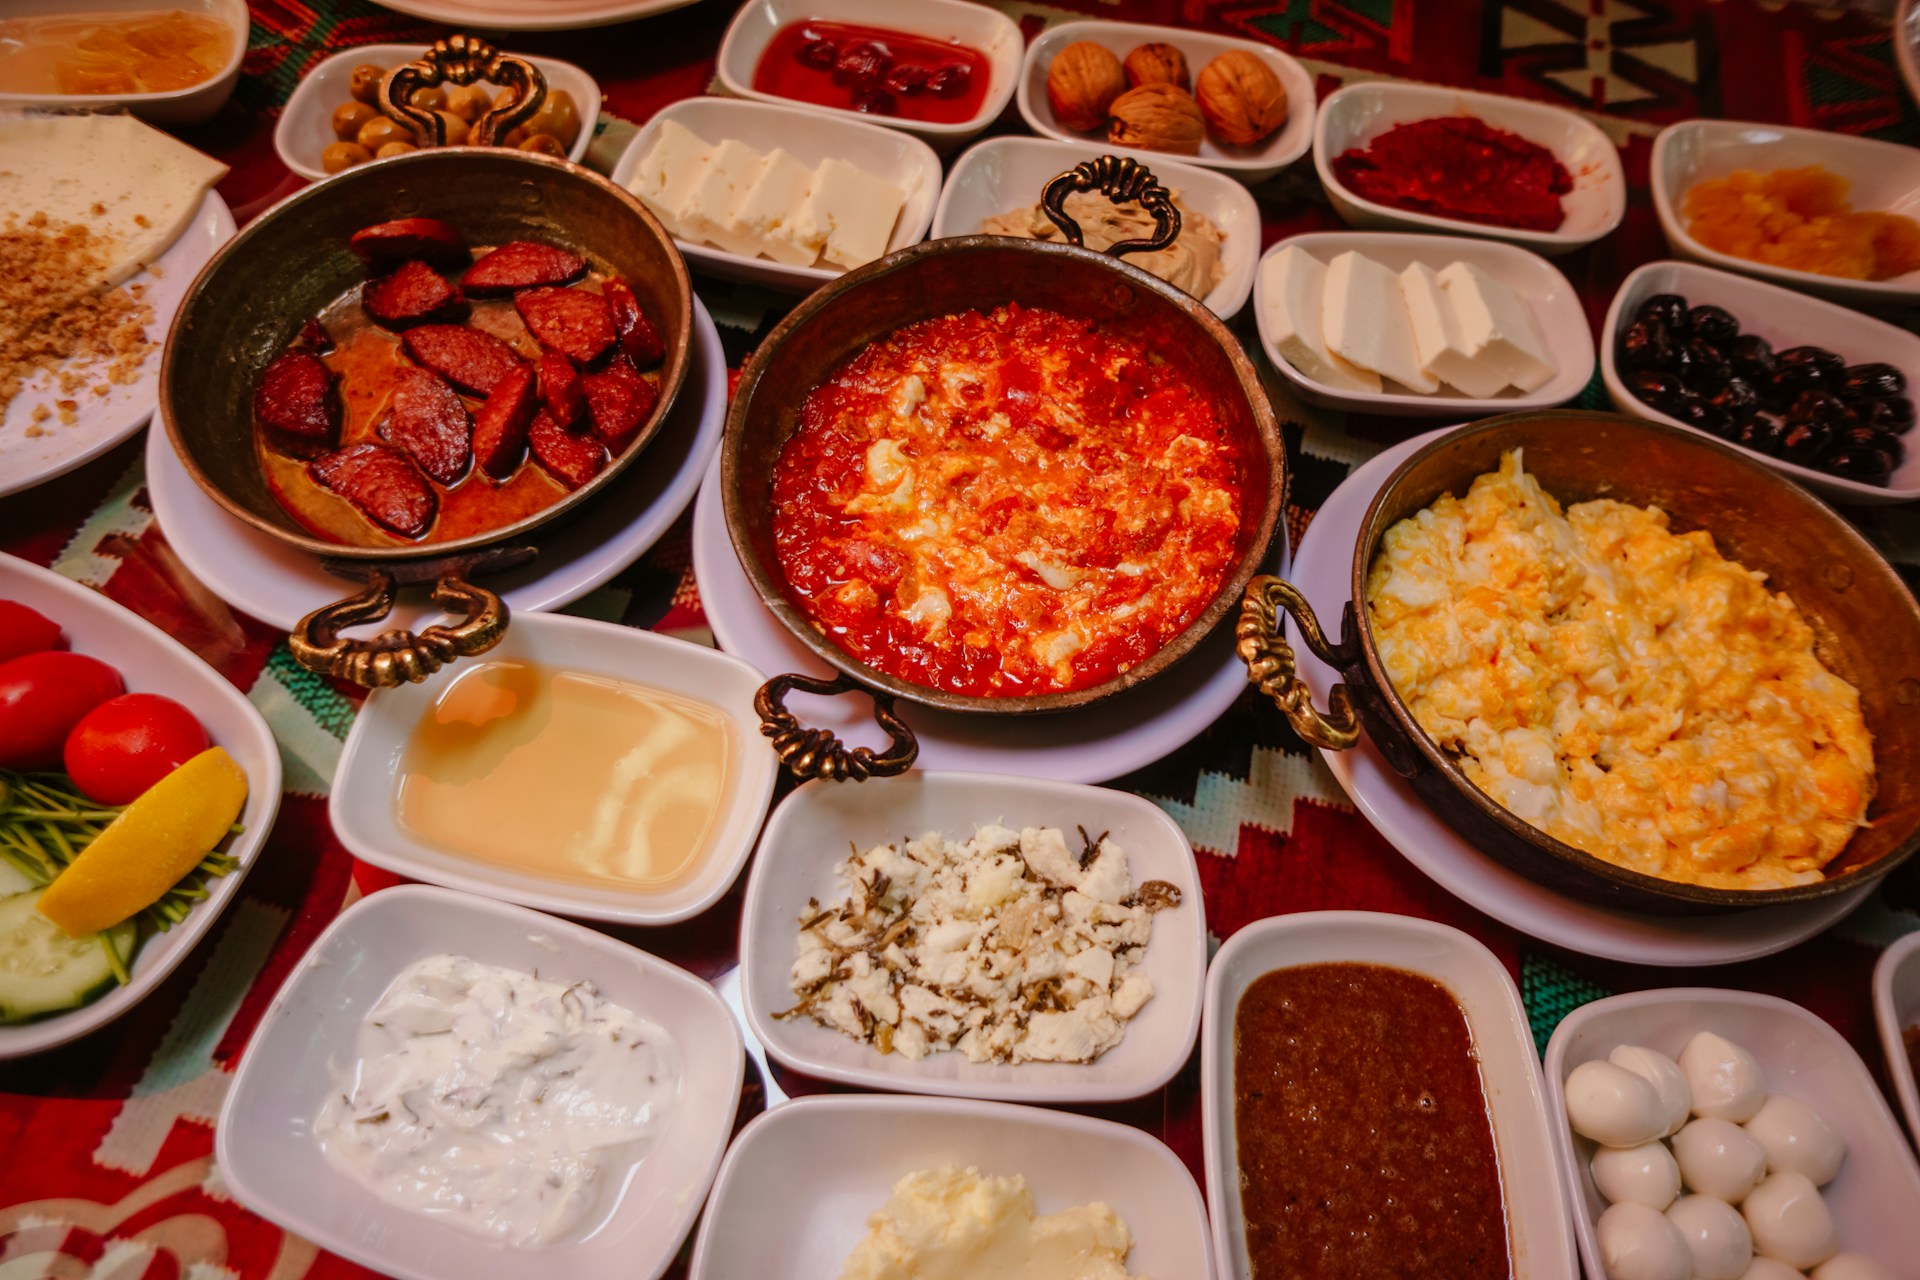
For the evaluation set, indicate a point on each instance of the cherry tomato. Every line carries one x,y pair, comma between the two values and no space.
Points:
125,745
23,631
42,696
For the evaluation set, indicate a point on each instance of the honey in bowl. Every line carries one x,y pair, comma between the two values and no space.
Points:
584,778
111,53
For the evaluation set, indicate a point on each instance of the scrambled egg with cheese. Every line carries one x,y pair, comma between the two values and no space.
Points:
1621,687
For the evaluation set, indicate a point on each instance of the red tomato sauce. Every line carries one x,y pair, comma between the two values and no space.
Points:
875,70
1460,167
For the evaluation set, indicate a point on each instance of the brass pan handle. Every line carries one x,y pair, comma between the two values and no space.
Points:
1271,667
817,753
464,59
398,656
1119,180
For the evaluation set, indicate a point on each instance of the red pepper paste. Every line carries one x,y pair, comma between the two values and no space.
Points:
1460,167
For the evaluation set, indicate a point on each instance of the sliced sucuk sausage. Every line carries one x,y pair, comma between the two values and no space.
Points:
314,336
571,321
618,400
521,264
500,428
426,419
295,398
411,294
383,483
560,388
638,338
468,358
572,460
388,243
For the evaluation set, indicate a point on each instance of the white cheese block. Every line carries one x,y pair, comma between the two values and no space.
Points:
669,173
1365,321
721,190
772,202
1293,283
850,212
1441,348
1498,325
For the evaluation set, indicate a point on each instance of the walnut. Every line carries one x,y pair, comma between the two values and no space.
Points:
1157,117
1157,64
1241,98
1082,83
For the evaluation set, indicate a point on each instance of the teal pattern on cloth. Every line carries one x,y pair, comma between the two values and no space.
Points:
1550,991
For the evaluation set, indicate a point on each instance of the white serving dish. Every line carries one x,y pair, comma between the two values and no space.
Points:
271,1163
306,124
795,1193
810,833
1785,319
1896,1006
363,806
1875,1199
1001,175
1556,308
1354,116
1537,1235
1248,164
810,136
519,15
151,662
191,105
1885,178
984,29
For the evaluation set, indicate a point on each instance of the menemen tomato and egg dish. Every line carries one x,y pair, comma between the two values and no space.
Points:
1621,687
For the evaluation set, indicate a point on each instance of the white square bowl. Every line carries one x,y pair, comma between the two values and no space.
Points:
151,662
1885,177
809,136
810,833
306,123
1556,308
363,806
1875,1199
1537,1236
983,29
1247,164
797,1189
1356,115
191,105
1001,175
1896,1006
271,1162
1785,319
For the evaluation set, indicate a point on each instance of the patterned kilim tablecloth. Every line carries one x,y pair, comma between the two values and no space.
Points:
106,1164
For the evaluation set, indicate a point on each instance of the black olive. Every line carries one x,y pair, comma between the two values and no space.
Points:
1869,414
1762,434
1870,438
1710,369
1823,366
1751,357
1862,463
1818,409
1875,381
1901,410
1660,390
1642,345
1669,309
1678,360
1715,324
1805,442
1790,378
1737,399
1704,414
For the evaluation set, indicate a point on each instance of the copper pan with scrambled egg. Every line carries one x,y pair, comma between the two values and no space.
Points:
1696,689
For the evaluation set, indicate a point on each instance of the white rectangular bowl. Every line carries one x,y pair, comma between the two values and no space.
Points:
1896,1006
811,832
1785,319
363,806
1354,116
1541,1246
810,137
1556,308
1247,164
191,105
271,1163
1875,1199
1001,175
795,1193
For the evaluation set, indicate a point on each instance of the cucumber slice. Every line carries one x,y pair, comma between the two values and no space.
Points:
43,971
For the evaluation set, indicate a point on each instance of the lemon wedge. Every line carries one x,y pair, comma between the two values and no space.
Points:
150,847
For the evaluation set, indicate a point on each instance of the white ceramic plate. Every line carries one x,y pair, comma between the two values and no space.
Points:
105,421
1885,178
280,584
1323,571
1001,175
1875,1199
983,29
1556,309
795,1193
1896,1006
1248,164
151,662
190,105
539,15
306,123
1354,116
1541,1248
810,834
810,137
1785,319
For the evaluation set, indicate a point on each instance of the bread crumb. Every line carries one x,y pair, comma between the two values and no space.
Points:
52,318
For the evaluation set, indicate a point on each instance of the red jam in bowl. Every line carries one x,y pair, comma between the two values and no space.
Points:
874,70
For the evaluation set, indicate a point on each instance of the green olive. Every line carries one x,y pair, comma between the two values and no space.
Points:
455,126
557,117
468,101
394,148
343,155
434,99
365,83
544,144
348,117
379,131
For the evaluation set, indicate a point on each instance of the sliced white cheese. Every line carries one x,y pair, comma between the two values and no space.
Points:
669,172
1294,281
1498,325
850,212
1365,320
771,203
721,190
1441,348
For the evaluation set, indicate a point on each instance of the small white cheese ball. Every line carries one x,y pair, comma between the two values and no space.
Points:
1789,1221
1613,1106
1645,1174
1719,1241
1771,1269
1726,1080
1797,1140
1638,1243
1852,1266
1718,1158
1664,1074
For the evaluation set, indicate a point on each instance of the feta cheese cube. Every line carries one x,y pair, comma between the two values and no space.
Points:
1365,321
848,212
1441,348
1497,323
770,203
1294,284
667,175
721,189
